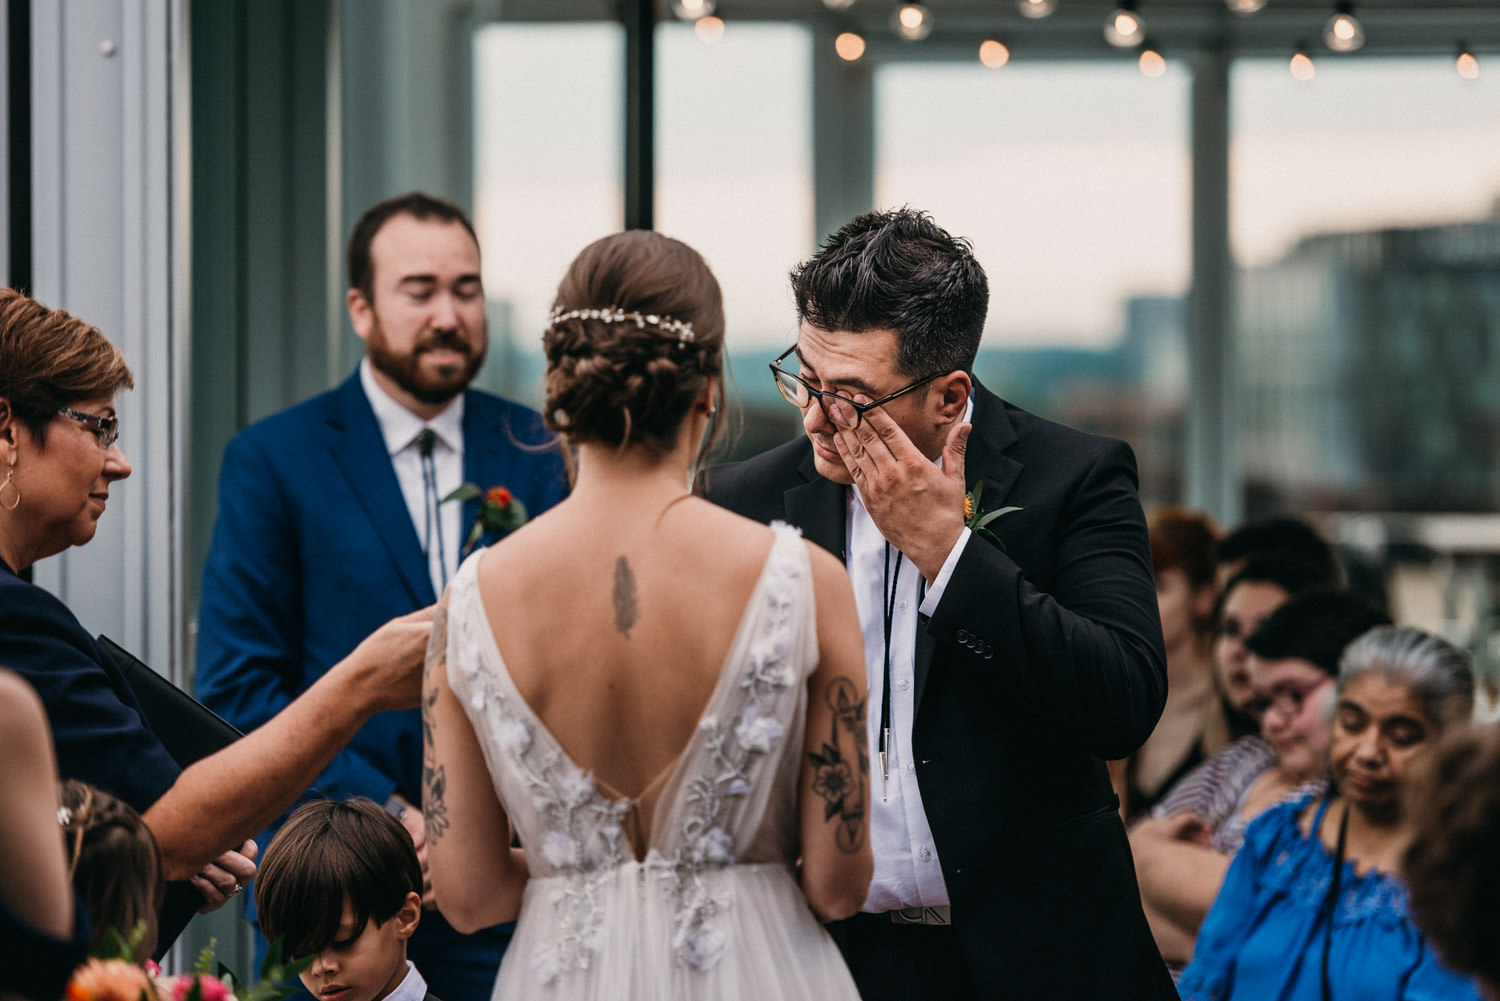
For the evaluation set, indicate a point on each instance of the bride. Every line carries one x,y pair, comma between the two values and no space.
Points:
662,701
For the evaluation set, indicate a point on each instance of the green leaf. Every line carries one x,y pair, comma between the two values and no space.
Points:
205,961
463,492
990,516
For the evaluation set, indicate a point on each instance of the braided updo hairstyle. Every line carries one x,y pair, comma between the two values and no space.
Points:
626,381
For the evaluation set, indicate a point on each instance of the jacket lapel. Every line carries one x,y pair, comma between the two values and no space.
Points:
359,452
820,507
985,462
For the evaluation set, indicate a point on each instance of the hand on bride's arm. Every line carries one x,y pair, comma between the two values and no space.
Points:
474,884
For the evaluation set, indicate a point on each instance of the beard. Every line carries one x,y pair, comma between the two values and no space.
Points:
430,385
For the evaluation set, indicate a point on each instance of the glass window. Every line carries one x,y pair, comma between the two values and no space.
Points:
548,142
1072,181
734,180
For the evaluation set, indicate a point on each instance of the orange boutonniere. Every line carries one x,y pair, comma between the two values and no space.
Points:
499,511
978,520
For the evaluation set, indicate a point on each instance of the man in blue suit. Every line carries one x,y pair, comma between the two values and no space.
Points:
331,520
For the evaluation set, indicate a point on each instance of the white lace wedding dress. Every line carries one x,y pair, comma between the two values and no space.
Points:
714,910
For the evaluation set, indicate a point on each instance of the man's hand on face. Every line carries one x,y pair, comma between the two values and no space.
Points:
916,505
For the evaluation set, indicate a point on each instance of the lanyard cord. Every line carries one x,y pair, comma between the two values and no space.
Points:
1331,904
888,610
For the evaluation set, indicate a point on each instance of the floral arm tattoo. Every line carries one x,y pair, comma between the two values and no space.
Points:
434,781
834,777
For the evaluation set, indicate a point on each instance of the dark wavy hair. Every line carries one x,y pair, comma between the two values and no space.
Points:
51,359
898,270
625,382
326,853
418,205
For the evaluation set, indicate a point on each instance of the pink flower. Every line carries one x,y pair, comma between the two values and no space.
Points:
212,987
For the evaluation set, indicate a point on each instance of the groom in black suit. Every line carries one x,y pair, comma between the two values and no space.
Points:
1007,662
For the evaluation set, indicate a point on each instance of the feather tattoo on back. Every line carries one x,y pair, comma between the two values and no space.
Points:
626,608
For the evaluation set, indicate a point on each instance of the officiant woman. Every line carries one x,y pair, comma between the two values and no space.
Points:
60,460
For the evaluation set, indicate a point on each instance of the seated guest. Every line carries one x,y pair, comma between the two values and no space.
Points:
115,864
1293,659
40,918
1452,865
1182,561
1311,906
59,459
341,882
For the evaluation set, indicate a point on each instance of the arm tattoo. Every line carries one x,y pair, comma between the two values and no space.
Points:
626,609
834,767
434,780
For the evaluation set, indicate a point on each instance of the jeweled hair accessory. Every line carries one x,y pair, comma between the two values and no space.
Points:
615,314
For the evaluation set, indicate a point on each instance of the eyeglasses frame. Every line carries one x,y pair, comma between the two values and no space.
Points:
860,409
108,428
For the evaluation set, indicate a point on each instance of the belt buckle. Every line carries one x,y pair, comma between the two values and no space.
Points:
922,916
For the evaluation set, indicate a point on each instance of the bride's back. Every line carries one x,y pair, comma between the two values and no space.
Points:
629,610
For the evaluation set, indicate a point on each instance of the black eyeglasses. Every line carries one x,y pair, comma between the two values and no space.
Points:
1286,700
800,395
106,429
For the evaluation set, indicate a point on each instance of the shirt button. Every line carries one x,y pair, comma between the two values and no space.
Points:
902,604
925,855
904,684
910,768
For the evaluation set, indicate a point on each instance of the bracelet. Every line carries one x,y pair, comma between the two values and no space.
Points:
396,806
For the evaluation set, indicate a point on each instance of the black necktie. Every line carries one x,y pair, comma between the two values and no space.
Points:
430,525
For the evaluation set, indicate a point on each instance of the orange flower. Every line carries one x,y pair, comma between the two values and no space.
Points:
498,496
109,980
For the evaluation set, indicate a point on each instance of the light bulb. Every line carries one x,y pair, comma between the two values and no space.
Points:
911,22
709,29
692,10
1151,62
838,4
849,46
1343,32
993,53
1125,28
1301,66
1244,6
1466,65
1036,8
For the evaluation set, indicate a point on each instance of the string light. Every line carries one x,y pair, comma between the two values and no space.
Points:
993,53
911,22
849,46
1466,64
838,4
1152,63
1125,28
1343,32
692,10
1302,66
1036,8
709,29
1245,6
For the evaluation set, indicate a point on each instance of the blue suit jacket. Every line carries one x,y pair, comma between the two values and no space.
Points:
313,550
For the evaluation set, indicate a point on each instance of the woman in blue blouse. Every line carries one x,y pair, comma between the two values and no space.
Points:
1311,909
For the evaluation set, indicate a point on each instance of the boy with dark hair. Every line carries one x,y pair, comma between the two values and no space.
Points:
341,882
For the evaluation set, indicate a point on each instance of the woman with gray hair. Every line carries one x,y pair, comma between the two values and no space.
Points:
1312,906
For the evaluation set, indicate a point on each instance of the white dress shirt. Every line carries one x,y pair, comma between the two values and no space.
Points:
411,988
400,427
907,872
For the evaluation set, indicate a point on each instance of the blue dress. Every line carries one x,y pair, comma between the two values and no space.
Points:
1263,939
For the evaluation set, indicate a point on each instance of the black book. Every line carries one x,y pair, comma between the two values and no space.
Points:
189,730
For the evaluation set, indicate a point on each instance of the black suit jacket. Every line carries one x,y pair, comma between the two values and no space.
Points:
1042,660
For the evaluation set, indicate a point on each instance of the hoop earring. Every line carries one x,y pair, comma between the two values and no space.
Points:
10,482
